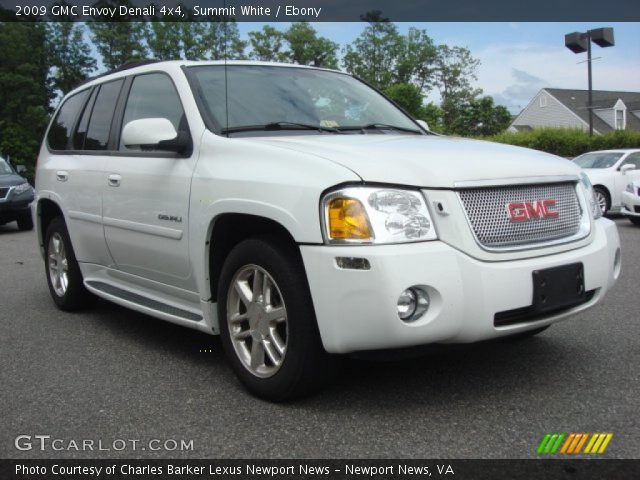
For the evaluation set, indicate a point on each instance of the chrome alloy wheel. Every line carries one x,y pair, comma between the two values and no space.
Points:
58,264
257,320
601,198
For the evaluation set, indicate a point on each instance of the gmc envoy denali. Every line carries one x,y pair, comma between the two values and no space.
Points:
299,214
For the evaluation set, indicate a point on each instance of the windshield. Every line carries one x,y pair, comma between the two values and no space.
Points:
598,159
282,98
5,169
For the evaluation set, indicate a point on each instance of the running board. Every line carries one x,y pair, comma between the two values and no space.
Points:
144,302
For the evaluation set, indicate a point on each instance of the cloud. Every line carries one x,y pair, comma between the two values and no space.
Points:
513,73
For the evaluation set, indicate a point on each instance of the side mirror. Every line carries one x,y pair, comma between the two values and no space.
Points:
20,169
154,134
625,168
423,124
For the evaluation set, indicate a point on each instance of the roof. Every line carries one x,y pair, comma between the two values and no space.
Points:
140,66
577,100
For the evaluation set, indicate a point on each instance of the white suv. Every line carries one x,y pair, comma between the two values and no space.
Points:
299,214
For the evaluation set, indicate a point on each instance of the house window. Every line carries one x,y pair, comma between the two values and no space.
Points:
542,101
619,119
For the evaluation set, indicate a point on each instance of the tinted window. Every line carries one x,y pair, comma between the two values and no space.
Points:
81,131
154,96
102,115
60,131
633,159
598,159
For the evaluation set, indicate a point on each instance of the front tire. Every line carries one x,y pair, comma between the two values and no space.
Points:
267,321
603,199
63,273
635,220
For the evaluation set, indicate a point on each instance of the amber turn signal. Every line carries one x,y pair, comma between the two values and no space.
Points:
348,220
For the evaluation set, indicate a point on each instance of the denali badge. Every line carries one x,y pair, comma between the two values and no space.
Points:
521,211
171,218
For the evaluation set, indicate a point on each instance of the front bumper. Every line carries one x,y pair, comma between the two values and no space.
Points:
15,206
356,309
630,204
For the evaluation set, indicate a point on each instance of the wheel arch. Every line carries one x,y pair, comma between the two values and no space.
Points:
46,210
227,230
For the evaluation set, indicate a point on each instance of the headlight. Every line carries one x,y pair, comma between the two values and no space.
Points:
376,215
23,187
629,187
591,196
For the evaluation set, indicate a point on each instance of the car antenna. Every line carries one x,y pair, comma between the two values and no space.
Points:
226,81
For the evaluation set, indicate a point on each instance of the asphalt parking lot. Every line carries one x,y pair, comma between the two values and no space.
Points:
110,373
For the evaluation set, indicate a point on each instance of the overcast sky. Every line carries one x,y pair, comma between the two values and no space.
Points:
518,59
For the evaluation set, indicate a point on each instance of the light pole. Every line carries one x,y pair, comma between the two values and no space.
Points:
579,42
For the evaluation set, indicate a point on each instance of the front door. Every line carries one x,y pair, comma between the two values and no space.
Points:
146,193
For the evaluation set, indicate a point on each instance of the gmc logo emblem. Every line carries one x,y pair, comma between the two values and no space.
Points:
521,211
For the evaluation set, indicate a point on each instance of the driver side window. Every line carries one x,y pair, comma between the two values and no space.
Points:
153,95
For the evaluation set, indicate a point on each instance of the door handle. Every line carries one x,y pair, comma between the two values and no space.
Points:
62,175
114,180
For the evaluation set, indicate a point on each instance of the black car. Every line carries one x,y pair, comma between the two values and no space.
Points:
15,197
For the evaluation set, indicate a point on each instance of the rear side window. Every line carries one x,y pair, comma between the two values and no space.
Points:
99,128
154,96
81,131
60,130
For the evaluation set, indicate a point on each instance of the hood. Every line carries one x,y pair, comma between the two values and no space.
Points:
425,161
11,179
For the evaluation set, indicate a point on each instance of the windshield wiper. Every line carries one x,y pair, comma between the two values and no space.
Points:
274,126
381,126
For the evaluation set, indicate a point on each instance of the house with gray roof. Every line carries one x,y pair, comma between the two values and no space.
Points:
563,108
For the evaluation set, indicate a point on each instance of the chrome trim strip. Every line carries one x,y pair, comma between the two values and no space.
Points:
503,182
143,228
86,217
9,190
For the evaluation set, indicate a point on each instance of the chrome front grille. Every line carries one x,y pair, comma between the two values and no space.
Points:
488,214
4,191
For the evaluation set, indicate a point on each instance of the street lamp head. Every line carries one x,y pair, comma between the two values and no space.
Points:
603,37
576,42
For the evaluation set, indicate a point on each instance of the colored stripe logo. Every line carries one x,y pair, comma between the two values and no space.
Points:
573,443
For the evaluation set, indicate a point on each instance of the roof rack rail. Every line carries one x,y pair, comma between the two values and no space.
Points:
125,66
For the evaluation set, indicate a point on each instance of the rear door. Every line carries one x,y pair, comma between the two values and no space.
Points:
146,193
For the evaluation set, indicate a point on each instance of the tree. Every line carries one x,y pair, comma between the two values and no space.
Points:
416,57
480,118
306,48
267,45
118,41
69,54
455,68
25,90
373,55
408,96
223,40
164,40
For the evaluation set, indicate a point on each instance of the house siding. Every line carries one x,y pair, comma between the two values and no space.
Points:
608,115
554,114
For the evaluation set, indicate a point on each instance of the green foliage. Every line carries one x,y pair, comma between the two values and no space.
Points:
164,40
69,54
568,142
480,117
306,48
25,90
267,45
408,96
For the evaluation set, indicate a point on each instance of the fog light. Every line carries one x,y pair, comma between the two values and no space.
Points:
412,304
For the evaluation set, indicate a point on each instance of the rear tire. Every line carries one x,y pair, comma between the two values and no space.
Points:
635,220
267,321
25,222
63,273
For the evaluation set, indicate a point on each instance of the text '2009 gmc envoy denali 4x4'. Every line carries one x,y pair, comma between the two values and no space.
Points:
300,214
